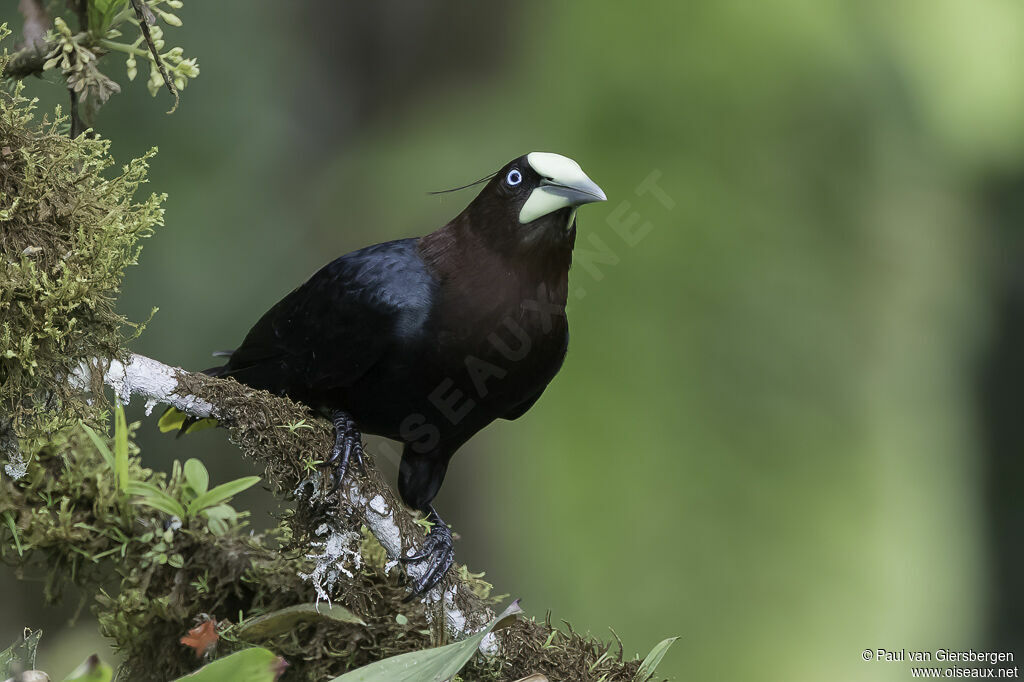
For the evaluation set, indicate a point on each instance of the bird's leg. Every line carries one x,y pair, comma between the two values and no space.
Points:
348,442
437,551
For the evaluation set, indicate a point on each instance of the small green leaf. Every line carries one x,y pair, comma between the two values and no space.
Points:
219,517
101,446
652,660
91,670
197,476
121,449
224,512
402,619
277,622
9,518
222,493
156,498
430,665
248,665
101,13
172,418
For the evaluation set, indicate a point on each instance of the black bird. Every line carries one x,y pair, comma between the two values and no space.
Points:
428,340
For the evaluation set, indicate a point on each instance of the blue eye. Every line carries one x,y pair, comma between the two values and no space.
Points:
513,178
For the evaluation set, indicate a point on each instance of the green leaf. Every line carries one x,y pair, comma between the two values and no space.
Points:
221,493
224,512
218,517
196,476
248,665
91,670
121,449
20,655
9,518
101,13
171,420
652,660
284,620
101,446
430,665
156,498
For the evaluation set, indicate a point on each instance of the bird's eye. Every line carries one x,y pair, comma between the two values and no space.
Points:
513,178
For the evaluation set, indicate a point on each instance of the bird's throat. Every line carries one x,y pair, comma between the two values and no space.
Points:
476,275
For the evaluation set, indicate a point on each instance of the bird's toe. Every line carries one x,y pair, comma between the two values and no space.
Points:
348,442
440,562
437,554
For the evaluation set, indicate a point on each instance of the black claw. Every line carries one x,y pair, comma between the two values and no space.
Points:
437,551
347,442
415,557
358,452
437,571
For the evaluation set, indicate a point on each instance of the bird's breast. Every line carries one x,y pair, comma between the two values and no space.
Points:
503,352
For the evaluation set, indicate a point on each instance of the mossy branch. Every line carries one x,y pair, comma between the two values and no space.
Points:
258,424
28,61
153,573
68,519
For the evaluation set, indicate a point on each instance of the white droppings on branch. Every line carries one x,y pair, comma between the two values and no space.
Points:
489,645
378,505
149,379
379,519
454,617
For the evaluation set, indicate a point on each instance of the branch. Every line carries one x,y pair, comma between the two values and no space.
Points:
27,61
259,424
69,522
146,17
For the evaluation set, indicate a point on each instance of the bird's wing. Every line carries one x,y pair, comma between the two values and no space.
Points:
328,332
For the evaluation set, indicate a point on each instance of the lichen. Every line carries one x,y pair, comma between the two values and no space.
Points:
336,556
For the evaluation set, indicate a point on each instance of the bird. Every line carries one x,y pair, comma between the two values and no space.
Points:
428,340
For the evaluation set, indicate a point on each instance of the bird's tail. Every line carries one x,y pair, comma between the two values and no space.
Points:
174,419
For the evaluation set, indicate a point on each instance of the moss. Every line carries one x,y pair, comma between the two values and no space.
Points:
69,226
560,654
73,526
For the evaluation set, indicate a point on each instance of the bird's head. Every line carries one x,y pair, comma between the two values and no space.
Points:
532,200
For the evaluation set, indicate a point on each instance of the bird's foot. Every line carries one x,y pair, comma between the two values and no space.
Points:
348,443
437,553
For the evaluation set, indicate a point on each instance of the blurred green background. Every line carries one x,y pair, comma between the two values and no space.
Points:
787,426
